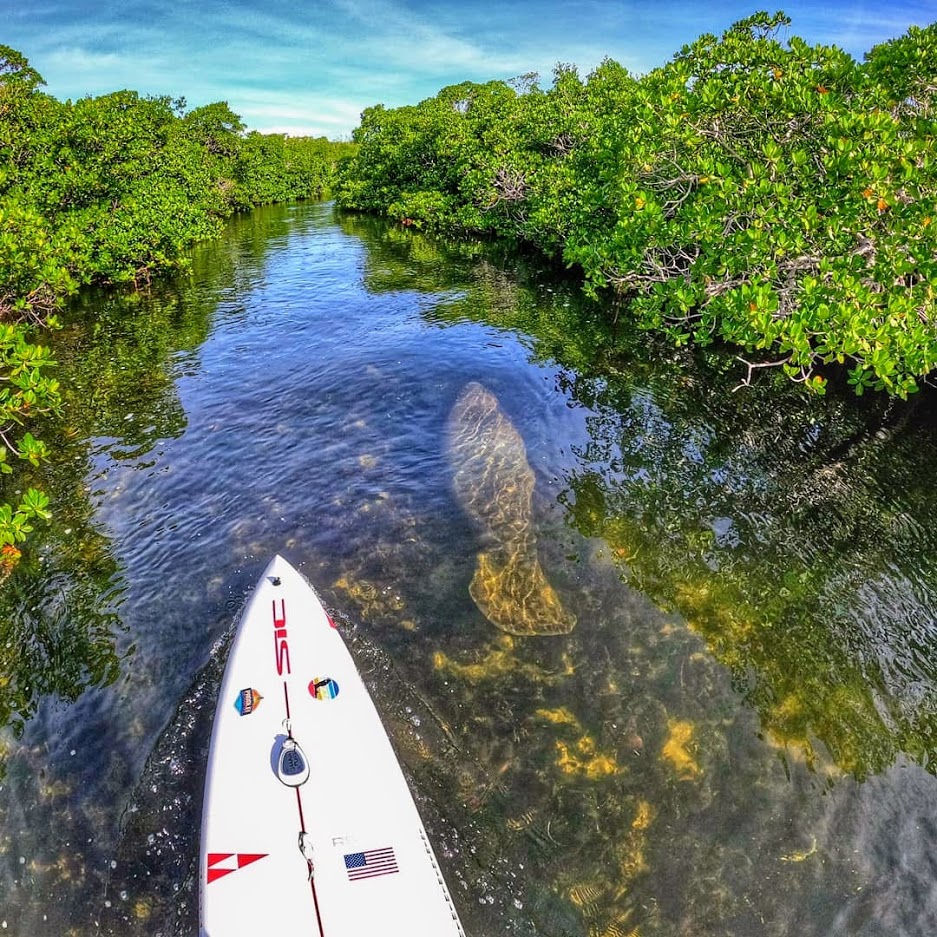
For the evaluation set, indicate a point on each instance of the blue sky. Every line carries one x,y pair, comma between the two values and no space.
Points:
311,67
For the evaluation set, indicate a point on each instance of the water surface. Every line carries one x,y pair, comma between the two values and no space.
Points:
736,736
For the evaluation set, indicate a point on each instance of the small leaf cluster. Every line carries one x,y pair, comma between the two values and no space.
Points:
774,195
16,521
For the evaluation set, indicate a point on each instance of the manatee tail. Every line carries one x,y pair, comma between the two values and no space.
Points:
513,593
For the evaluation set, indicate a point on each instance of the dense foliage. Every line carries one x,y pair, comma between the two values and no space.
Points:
775,195
110,190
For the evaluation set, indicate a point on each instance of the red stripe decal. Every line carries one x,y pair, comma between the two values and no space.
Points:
299,803
234,861
246,858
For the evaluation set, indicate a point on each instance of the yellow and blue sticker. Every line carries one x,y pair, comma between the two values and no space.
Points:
323,688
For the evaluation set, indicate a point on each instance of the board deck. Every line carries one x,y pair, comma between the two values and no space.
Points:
290,677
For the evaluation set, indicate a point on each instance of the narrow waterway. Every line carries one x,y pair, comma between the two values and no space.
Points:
657,653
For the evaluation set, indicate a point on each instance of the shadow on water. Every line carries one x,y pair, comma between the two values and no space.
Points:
735,734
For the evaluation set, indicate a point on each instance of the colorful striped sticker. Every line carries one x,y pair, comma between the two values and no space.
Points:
323,688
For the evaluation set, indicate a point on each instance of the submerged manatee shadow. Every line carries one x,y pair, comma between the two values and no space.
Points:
494,483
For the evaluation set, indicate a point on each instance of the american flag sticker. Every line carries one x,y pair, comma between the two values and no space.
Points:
370,863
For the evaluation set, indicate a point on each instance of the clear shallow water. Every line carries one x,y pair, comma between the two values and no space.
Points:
735,738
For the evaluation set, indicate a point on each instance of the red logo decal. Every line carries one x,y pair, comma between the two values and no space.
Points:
280,646
232,862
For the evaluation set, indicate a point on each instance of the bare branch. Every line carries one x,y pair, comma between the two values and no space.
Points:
753,366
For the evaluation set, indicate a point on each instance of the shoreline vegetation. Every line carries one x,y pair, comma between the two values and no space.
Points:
758,193
765,194
109,190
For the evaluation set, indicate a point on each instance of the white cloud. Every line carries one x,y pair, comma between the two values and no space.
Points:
393,35
310,114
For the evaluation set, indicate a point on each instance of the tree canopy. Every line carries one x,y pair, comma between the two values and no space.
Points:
775,195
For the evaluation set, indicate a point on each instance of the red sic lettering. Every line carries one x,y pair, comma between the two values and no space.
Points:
281,648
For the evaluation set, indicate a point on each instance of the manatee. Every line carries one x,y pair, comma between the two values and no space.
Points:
493,483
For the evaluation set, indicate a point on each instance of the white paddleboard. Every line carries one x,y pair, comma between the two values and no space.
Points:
308,826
